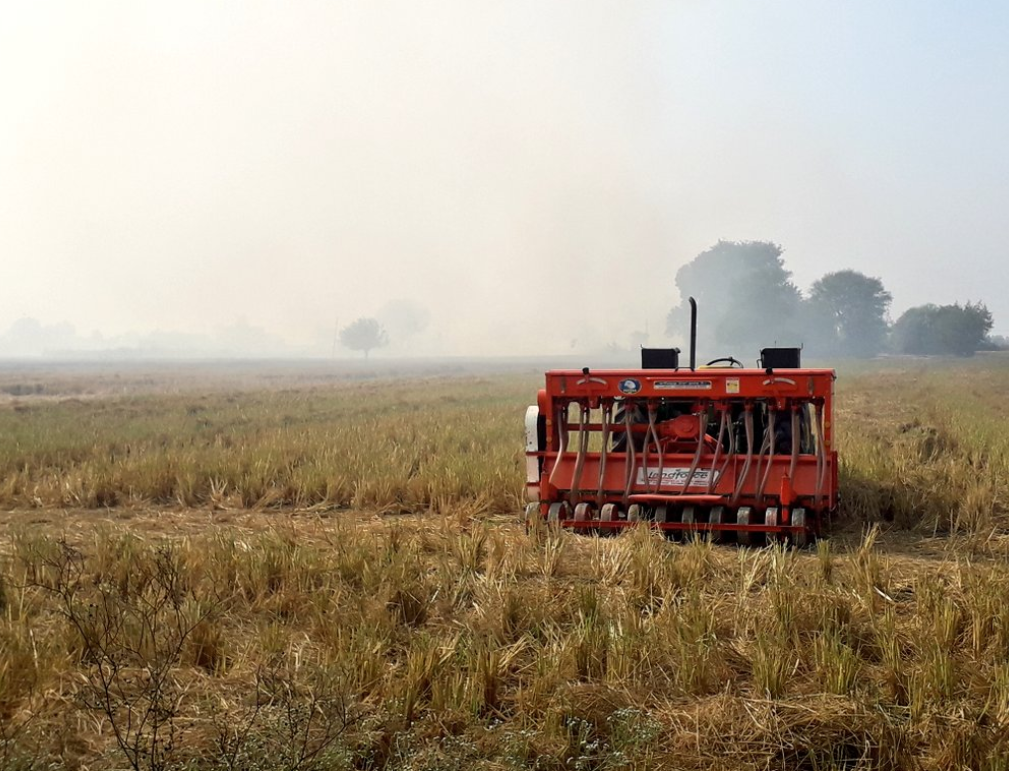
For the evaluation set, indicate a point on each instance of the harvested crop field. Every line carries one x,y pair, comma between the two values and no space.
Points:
328,570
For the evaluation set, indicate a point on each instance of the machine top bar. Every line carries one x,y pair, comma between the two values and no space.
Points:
698,384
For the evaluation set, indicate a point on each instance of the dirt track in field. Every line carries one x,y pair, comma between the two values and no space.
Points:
181,522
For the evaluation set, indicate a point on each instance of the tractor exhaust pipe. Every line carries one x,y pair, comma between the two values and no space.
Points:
693,334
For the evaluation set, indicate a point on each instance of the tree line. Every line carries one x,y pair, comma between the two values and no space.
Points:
748,301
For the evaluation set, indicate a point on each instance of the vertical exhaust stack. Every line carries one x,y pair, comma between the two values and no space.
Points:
693,334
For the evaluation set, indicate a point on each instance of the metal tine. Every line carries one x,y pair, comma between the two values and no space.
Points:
561,419
658,447
703,422
821,455
769,444
748,423
796,441
722,428
606,418
644,446
583,447
628,454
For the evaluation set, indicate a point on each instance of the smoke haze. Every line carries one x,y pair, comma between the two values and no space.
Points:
523,177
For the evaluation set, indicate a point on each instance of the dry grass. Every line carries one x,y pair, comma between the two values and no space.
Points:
434,633
439,646
927,448
377,445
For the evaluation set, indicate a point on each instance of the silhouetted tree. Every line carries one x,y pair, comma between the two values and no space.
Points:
942,329
365,335
847,314
745,297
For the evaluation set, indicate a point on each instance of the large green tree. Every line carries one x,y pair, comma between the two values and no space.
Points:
956,329
746,299
847,314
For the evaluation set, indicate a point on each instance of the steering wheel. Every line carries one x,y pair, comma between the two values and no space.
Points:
732,362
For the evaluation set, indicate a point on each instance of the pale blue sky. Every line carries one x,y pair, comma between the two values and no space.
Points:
536,170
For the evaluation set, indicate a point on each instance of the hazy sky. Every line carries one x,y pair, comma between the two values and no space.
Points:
532,172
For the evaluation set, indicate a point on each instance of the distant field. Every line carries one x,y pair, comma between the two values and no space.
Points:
321,570
923,444
394,444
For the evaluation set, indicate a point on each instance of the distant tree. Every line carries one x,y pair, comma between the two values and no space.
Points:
913,333
963,329
638,339
746,299
956,329
365,335
847,312
997,343
403,319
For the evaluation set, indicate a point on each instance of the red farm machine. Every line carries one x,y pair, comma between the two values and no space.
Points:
731,452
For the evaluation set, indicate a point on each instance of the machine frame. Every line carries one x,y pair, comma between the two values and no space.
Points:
701,471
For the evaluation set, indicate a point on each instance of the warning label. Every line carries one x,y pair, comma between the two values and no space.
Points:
682,385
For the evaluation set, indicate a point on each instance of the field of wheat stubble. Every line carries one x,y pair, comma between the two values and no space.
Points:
331,573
